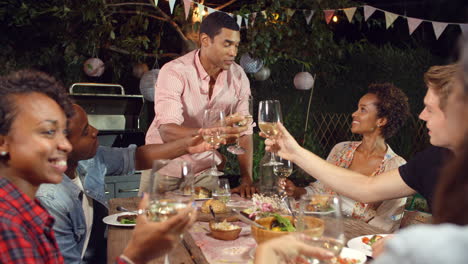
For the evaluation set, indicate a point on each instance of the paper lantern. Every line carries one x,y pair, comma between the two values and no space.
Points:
262,74
93,67
140,69
249,64
147,84
303,81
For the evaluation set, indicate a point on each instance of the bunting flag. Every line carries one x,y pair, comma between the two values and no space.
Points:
438,28
155,2
413,24
187,4
464,29
349,12
368,11
328,15
211,10
239,20
289,13
171,5
246,20
390,18
264,14
200,11
308,16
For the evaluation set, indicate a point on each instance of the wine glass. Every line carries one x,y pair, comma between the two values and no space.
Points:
163,202
245,108
269,114
321,223
282,170
213,124
222,191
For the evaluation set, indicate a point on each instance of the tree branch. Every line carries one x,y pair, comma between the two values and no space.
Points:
140,13
119,50
131,3
226,4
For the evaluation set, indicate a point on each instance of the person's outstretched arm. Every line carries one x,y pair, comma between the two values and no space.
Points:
388,185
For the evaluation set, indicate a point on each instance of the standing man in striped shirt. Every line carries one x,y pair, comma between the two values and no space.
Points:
204,78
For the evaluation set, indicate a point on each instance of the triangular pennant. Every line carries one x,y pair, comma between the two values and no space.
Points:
368,11
211,10
155,2
438,28
239,20
413,24
264,14
254,15
246,20
349,12
308,16
171,5
464,29
201,8
328,15
289,13
390,18
187,4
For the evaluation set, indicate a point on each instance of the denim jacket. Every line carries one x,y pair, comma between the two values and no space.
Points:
64,200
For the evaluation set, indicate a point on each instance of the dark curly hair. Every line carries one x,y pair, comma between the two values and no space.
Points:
214,22
25,82
392,104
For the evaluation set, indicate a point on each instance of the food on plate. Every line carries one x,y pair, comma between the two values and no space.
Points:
319,204
127,219
187,190
347,260
224,226
280,224
370,241
218,206
202,192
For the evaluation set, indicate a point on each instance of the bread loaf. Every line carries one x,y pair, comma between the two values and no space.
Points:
218,207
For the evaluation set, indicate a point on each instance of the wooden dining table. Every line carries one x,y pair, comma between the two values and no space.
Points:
187,251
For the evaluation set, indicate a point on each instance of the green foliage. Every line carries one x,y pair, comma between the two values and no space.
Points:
277,37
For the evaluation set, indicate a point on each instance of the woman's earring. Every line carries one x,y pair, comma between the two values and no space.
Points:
3,153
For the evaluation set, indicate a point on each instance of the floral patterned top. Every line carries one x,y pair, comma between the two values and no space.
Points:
387,214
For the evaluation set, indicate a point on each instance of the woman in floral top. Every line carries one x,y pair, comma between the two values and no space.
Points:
381,112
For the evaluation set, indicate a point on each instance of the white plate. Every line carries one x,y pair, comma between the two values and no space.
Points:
353,254
356,243
112,219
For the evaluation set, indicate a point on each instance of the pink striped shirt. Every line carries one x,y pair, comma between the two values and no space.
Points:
181,96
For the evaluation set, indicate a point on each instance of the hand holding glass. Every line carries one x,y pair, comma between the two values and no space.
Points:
213,124
269,114
246,102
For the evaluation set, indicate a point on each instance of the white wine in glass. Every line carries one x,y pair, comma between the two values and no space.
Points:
245,106
213,124
325,209
163,203
269,115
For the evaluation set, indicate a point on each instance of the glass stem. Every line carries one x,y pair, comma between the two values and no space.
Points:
213,163
272,157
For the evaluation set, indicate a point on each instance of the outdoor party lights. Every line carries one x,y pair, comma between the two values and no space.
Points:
335,19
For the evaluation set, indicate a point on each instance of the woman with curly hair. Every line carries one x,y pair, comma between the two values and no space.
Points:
380,114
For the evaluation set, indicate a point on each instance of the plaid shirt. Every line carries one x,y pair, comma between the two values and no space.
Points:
26,234
25,229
